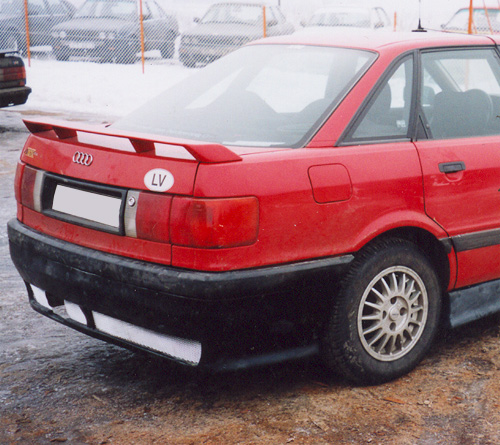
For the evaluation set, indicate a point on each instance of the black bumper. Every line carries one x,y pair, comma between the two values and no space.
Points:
233,314
14,96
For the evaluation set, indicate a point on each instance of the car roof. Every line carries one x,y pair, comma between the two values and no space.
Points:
241,4
343,9
481,8
375,41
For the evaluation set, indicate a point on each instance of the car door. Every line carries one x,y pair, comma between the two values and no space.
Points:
380,157
40,22
59,11
157,27
459,149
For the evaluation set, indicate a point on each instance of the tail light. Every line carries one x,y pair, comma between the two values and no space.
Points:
14,73
214,223
183,221
30,187
18,180
192,222
17,189
147,216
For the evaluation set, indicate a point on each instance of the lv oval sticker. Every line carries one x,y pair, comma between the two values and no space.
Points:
159,180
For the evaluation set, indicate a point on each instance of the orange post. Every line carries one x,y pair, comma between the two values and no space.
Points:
471,12
26,19
395,20
142,34
264,21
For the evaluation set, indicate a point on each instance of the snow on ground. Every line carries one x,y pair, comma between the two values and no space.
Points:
107,90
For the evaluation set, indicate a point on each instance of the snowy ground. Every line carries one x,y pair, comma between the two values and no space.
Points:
107,90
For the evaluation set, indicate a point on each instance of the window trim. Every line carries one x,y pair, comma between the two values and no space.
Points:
426,125
345,140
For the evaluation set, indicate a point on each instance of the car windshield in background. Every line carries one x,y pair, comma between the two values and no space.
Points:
106,9
261,95
484,20
359,19
10,6
237,14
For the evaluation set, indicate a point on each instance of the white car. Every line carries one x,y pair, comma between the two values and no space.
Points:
347,18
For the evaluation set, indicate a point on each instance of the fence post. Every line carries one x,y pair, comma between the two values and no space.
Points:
264,21
142,34
471,12
26,19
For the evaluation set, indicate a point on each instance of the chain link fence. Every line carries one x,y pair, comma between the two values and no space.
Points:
196,32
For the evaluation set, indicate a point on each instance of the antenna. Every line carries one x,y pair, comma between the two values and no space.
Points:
419,27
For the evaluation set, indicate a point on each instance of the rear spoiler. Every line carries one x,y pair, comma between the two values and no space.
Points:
203,152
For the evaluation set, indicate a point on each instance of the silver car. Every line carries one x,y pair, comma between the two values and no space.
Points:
227,26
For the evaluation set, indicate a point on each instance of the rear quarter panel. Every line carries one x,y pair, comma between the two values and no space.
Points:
387,193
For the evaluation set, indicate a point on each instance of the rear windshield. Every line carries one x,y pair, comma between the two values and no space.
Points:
116,9
10,6
261,95
237,14
359,19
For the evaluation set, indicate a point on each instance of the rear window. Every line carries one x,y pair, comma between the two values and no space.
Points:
261,95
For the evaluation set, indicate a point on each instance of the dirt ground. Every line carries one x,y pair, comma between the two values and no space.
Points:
59,386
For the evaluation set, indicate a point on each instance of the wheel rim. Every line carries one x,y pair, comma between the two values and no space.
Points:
392,313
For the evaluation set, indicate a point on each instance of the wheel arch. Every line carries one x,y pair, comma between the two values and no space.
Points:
435,250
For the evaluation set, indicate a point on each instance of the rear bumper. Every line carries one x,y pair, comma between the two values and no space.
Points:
14,96
232,314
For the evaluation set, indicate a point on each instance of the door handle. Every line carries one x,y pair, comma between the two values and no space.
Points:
451,167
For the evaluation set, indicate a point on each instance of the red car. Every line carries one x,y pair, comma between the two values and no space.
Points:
13,89
332,194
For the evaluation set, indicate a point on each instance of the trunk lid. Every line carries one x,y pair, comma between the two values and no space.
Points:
117,158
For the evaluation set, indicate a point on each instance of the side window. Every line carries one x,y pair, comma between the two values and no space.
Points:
155,10
460,93
36,7
278,15
270,15
383,17
387,116
57,7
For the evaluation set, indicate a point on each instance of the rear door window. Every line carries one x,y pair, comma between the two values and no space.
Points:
387,115
460,93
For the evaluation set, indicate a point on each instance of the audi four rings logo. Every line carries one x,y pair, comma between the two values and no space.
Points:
83,158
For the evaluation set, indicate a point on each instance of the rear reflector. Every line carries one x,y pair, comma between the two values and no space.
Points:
18,180
186,350
214,223
13,73
31,186
153,217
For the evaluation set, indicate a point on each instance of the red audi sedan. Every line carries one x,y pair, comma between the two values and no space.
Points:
334,195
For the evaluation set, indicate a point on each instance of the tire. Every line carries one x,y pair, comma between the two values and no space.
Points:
127,57
386,316
61,55
167,50
189,61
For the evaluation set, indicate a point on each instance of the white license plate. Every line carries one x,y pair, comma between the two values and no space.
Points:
87,205
81,45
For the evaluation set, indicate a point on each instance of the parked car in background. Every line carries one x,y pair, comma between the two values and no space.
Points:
347,18
227,26
110,31
484,21
42,14
13,89
331,193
